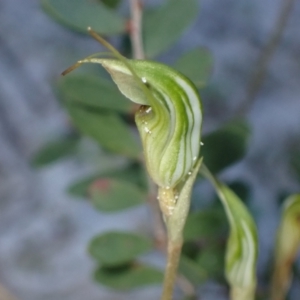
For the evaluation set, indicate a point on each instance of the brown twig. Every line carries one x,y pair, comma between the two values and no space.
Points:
260,71
135,30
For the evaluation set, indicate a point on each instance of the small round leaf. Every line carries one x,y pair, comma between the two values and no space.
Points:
129,277
80,14
107,128
116,248
110,195
93,91
197,65
165,25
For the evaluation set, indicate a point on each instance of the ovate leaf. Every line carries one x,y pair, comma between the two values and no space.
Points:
295,162
111,3
126,278
111,195
93,91
209,223
225,146
116,248
55,150
106,128
164,26
197,65
80,14
134,174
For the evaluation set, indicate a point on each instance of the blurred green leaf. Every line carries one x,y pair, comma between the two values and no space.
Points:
93,91
164,26
209,223
133,173
295,163
80,14
225,146
211,259
116,248
55,150
111,3
110,195
128,278
191,270
106,128
197,65
241,189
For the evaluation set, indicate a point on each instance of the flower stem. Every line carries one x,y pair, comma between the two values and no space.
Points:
174,251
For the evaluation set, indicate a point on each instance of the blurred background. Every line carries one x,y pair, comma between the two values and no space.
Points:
43,231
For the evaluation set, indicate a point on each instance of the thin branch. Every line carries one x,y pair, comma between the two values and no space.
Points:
260,71
135,29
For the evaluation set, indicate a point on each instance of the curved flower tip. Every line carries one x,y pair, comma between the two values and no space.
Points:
169,119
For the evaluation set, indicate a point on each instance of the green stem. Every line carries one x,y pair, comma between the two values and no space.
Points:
174,251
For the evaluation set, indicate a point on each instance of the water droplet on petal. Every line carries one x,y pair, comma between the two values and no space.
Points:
148,110
144,79
201,143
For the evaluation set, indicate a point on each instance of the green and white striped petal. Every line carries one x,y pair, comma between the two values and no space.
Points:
169,120
242,245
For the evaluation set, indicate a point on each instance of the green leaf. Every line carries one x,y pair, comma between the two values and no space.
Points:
93,91
225,146
295,162
116,248
133,174
106,128
80,14
110,195
111,3
191,270
209,223
241,189
129,277
55,150
211,259
164,26
197,65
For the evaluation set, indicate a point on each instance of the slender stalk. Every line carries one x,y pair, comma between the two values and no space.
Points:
135,29
174,251
260,70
